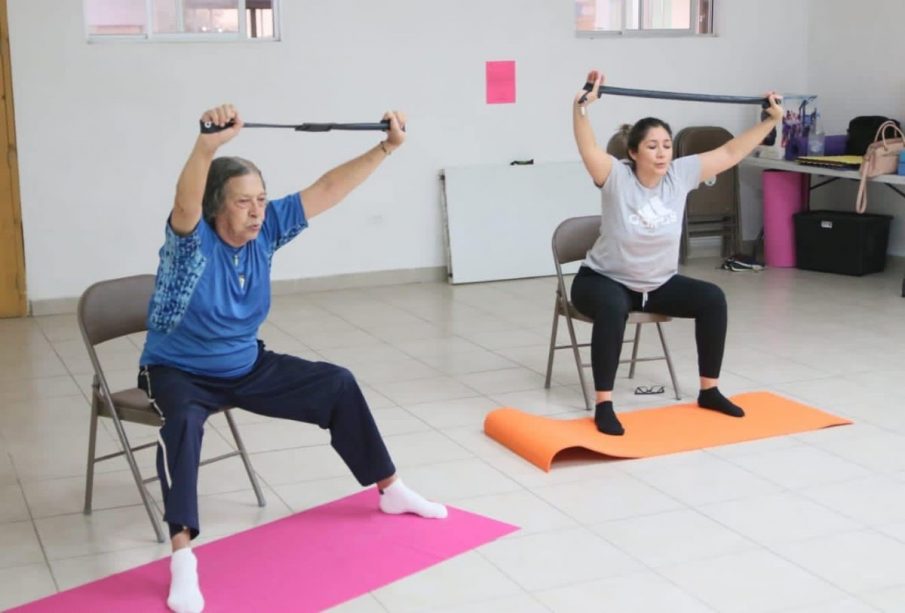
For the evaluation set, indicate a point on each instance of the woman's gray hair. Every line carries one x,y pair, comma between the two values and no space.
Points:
221,171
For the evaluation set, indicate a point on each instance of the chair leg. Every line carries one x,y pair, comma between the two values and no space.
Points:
92,446
584,390
133,466
672,372
635,341
683,241
244,455
552,344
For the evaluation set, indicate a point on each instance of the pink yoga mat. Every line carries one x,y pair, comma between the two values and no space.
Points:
310,561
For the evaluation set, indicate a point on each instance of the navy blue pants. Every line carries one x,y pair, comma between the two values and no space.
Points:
608,303
277,386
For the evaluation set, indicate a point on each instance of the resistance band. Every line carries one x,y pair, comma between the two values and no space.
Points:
647,93
208,127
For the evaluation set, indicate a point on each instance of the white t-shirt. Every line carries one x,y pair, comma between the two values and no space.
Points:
641,228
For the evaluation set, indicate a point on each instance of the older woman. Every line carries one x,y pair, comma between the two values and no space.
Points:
202,353
634,263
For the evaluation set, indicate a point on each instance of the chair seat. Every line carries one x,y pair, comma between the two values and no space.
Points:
133,398
634,317
133,406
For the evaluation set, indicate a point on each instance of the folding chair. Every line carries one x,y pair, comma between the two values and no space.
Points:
571,241
713,209
109,310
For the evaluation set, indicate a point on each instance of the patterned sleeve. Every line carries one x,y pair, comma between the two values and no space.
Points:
284,219
182,261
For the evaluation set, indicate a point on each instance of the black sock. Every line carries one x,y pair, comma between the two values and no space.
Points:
713,399
605,418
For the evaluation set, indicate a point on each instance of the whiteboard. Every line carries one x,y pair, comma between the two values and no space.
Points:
500,219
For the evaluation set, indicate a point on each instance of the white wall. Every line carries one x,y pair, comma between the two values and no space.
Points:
856,58
103,129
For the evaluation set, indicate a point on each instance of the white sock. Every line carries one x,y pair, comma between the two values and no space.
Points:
185,593
398,498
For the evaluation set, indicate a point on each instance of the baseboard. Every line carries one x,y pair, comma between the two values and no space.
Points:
66,306
358,280
52,306
705,247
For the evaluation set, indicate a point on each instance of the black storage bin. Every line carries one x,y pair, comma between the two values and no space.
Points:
841,242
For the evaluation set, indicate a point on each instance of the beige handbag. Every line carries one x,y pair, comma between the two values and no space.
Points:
881,158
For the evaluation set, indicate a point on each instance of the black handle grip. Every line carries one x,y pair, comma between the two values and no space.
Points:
209,127
648,93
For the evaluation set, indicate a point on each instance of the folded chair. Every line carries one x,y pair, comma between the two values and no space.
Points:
109,310
571,241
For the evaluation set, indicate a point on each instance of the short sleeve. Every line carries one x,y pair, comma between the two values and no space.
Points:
688,171
182,261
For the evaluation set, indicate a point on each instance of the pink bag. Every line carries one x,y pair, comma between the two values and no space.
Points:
881,158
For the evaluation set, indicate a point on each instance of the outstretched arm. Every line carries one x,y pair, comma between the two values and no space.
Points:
336,184
597,161
728,155
190,187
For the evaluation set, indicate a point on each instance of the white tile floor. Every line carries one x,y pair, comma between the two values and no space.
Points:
813,522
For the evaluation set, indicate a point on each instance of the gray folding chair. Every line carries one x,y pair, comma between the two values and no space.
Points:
713,209
571,241
109,310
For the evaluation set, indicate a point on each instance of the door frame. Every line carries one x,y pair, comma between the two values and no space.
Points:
12,162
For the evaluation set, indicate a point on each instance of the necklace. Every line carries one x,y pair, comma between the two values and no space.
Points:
241,274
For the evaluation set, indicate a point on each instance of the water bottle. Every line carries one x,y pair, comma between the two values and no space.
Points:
816,137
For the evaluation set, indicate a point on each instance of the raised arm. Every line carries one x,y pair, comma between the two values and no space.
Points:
190,187
728,155
336,184
597,161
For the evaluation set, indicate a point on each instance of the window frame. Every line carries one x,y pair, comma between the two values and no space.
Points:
150,36
642,32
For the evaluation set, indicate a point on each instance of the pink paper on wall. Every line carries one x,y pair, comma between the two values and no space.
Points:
500,82
309,561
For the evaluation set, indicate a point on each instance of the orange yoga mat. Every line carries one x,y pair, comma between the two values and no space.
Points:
651,432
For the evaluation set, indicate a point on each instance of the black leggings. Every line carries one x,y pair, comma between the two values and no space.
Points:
608,303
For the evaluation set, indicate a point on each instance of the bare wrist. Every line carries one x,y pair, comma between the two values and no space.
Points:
386,147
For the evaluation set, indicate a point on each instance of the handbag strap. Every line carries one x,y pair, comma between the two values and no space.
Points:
884,127
861,198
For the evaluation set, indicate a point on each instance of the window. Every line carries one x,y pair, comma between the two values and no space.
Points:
644,17
181,20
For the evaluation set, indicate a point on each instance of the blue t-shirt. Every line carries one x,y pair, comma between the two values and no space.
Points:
210,298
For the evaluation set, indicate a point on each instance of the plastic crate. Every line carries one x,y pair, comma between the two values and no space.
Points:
841,242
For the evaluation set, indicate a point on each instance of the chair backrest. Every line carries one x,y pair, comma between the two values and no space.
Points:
699,139
715,199
573,237
114,308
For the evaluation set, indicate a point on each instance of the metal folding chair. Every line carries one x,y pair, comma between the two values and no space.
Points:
109,310
571,241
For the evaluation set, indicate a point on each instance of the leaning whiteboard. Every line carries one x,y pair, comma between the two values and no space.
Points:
500,219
